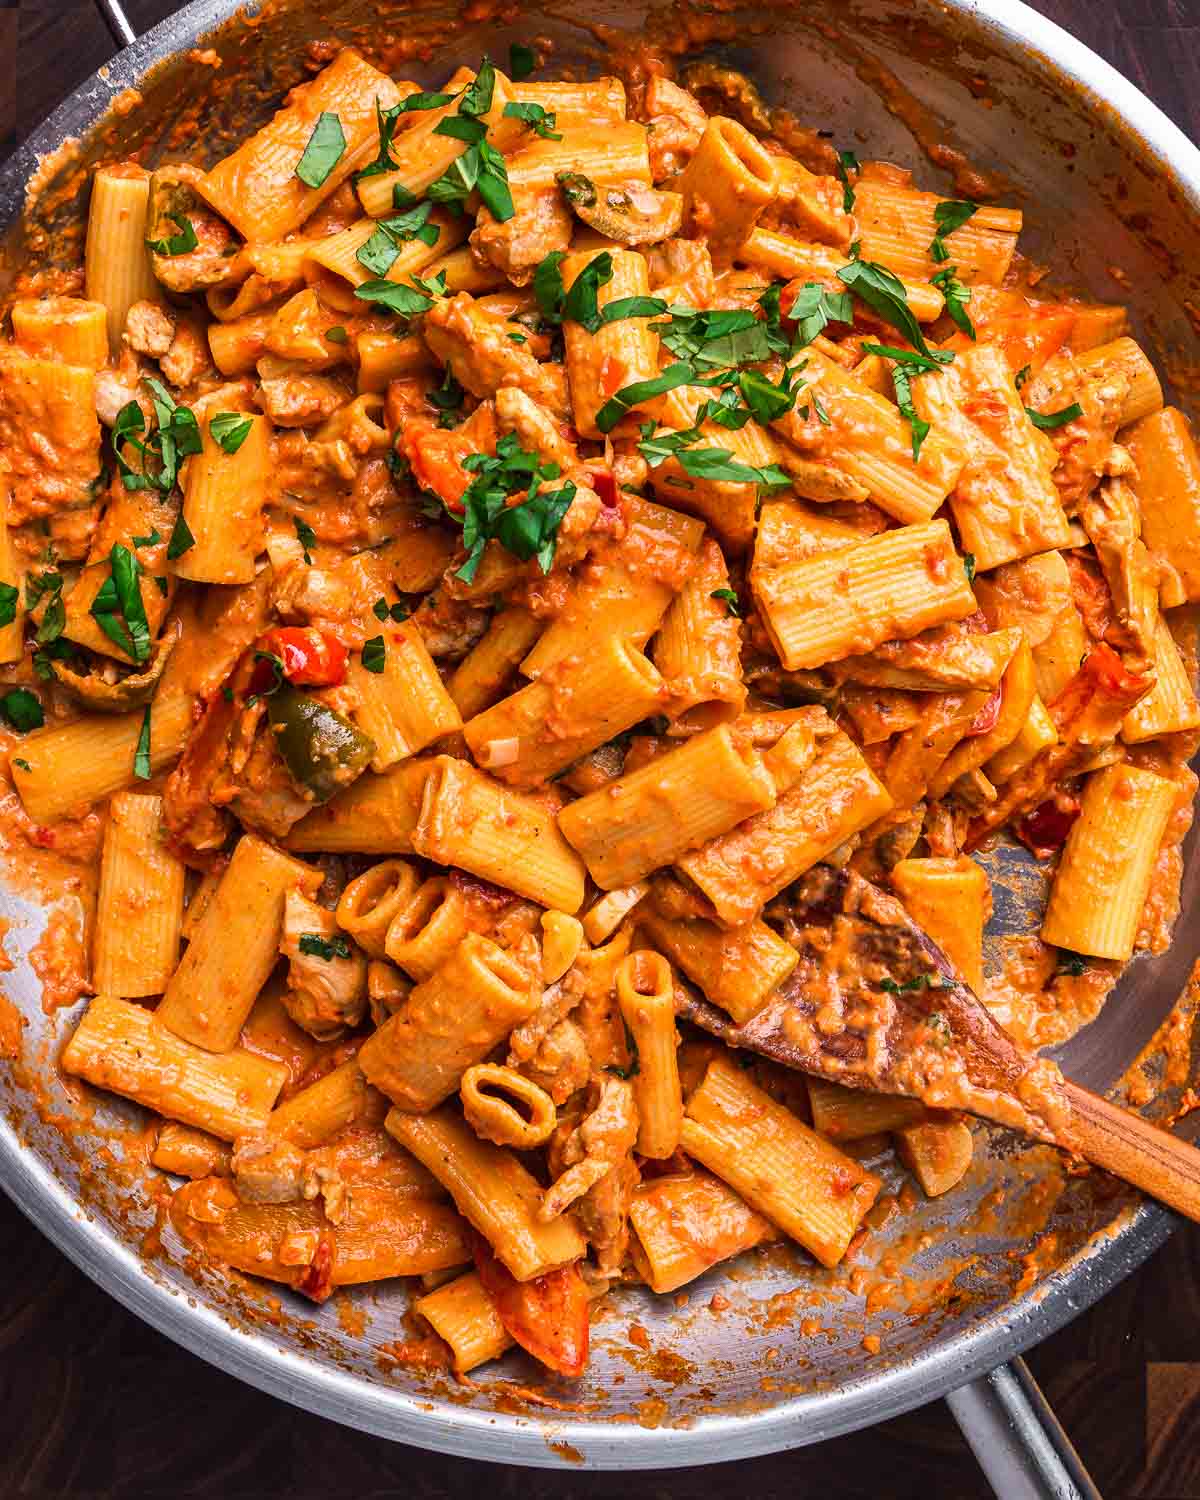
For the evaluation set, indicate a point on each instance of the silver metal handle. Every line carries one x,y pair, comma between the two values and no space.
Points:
1019,1442
117,22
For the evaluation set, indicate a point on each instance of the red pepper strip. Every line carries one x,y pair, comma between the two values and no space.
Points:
548,1316
1045,829
310,657
605,485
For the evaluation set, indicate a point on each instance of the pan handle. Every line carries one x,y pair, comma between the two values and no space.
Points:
1019,1442
117,22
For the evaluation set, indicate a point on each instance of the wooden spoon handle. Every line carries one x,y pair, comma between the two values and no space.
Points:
1135,1150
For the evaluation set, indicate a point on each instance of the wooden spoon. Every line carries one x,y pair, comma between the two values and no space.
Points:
875,1004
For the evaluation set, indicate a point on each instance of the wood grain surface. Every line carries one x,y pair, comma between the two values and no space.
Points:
95,1404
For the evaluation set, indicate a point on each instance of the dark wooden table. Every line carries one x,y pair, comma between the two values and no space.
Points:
93,1403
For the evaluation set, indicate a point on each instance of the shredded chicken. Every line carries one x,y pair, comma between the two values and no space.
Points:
187,358
596,1170
324,995
475,345
116,388
297,400
268,1169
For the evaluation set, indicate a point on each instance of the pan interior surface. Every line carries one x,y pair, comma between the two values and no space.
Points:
776,1352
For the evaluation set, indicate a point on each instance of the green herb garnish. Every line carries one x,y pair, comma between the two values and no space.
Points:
949,216
1048,421
846,163
307,537
730,598
542,121
326,147
141,755
118,608
230,429
176,244
316,946
181,540
374,654
23,710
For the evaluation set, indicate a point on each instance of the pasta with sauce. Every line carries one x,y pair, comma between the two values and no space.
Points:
477,553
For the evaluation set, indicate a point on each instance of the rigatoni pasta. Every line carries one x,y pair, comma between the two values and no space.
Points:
613,535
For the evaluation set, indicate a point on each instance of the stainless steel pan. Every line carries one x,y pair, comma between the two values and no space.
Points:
1104,180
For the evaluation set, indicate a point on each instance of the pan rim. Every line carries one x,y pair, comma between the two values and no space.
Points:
502,1437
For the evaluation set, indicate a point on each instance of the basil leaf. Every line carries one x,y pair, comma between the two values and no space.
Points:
632,395
404,301
548,286
182,539
846,163
493,183
521,61
720,339
229,429
337,334
815,308
730,598
528,529
176,244
580,305
118,608
632,307
306,536
1048,421
957,296
10,594
380,608
461,128
457,182
1023,375
969,566
448,398
766,401
949,216
540,120
148,541
316,946
23,709
918,427
885,295
141,756
374,654
326,147
721,467
476,98
921,363
423,102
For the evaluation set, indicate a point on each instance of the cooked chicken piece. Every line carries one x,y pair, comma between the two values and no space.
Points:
387,989
116,388
260,789
675,123
187,358
557,1002
296,400
1112,521
561,1064
268,1169
324,995
174,205
541,223
1085,443
596,1170
449,627
474,344
149,329
537,428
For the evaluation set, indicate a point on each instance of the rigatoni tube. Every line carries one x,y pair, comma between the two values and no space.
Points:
646,995
139,909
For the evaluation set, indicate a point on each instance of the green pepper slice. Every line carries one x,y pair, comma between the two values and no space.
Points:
321,748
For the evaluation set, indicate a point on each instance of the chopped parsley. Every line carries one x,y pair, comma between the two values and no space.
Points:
541,121
118,608
548,286
326,147
529,528
1048,421
23,710
176,244
316,946
448,398
405,301
948,216
940,1027
141,756
230,429
374,654
10,594
847,162
918,982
